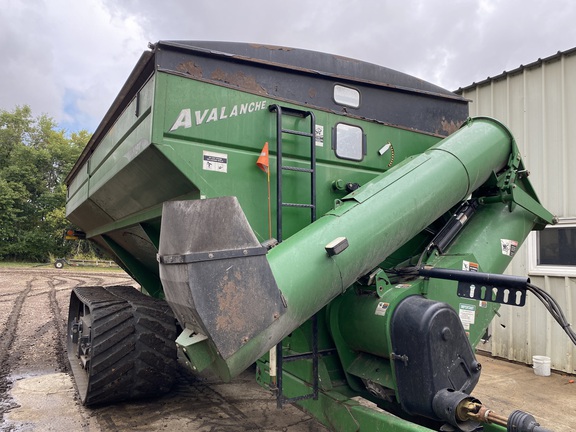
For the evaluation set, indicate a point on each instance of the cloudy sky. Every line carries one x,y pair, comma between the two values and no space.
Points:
69,58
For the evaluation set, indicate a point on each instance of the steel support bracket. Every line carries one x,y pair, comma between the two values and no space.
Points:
211,256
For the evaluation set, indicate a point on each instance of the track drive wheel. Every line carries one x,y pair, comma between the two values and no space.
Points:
120,344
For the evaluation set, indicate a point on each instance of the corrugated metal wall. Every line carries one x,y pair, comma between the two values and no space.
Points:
538,103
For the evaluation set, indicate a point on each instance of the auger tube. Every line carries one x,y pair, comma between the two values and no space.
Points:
298,277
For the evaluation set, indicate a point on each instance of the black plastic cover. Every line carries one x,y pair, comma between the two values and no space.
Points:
431,352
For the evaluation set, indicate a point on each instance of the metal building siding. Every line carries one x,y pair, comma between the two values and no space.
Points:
538,103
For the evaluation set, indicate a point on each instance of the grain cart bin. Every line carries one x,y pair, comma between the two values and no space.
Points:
359,262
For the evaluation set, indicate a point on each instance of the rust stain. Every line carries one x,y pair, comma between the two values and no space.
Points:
449,127
238,79
271,47
312,92
232,304
190,68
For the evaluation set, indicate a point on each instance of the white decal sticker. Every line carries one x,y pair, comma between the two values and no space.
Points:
381,308
319,135
469,266
508,247
467,314
403,286
215,161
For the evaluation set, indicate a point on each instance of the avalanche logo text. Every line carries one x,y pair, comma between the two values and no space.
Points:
208,115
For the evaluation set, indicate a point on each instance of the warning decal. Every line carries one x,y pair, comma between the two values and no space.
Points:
469,266
214,161
467,314
381,308
509,247
319,134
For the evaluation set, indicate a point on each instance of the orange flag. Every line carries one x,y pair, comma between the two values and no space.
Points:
263,162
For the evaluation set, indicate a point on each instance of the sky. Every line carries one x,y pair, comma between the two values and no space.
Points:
68,59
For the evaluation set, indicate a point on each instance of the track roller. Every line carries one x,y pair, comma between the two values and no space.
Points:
120,344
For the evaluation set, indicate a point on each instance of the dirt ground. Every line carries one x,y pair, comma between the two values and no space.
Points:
37,392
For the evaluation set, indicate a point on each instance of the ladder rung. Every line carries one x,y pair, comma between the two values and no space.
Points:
297,205
295,132
299,398
293,168
297,357
290,111
308,355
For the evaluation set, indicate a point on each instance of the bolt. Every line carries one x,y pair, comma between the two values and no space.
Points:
245,339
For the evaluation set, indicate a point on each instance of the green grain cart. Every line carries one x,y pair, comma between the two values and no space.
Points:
342,225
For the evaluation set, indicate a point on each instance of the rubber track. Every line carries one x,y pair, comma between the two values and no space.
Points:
133,350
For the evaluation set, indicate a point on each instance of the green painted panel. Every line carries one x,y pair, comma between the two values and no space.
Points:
123,154
79,196
339,411
194,121
78,181
479,247
134,114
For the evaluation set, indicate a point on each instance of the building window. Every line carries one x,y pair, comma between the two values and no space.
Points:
553,250
346,96
348,142
557,246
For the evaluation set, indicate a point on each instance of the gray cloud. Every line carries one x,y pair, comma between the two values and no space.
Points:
69,59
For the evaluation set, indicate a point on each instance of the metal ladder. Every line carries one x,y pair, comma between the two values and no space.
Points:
280,168
280,131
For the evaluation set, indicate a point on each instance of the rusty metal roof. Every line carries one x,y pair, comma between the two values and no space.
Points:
313,62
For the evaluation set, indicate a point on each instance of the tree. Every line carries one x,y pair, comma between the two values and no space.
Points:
34,161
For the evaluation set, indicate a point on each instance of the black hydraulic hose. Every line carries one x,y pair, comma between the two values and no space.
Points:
499,280
554,308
